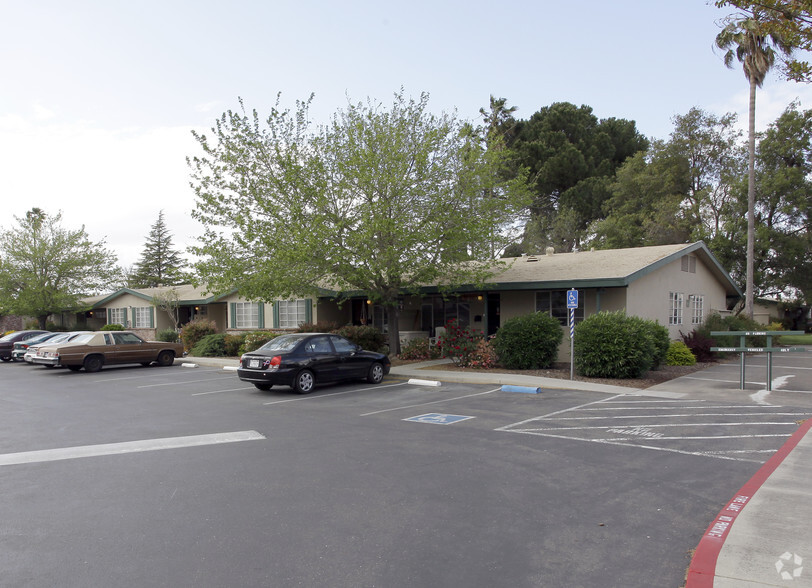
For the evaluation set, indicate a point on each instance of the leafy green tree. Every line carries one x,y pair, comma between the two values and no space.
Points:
46,269
571,157
679,190
381,201
784,207
753,45
160,264
789,19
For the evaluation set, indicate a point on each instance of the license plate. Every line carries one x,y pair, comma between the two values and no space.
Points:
253,363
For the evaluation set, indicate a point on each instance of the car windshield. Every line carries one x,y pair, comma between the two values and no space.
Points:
283,343
83,338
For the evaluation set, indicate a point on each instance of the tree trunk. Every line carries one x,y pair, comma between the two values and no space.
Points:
751,203
394,329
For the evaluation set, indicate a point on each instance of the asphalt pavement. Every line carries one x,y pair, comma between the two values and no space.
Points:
761,536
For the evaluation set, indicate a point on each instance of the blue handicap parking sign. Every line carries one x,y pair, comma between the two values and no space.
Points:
572,298
436,418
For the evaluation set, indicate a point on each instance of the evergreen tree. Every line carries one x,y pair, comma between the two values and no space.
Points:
160,264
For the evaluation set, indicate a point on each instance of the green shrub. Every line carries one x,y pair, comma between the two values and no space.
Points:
657,338
679,354
320,327
528,342
419,349
233,344
715,322
254,340
112,327
366,336
168,335
613,345
213,345
195,330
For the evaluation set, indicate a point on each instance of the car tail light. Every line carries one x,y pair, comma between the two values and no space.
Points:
274,362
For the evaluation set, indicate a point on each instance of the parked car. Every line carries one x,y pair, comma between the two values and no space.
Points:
7,342
19,348
303,360
28,354
94,350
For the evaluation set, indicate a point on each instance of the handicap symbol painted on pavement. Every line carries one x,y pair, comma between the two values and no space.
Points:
436,418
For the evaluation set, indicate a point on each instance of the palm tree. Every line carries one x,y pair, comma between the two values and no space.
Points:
745,39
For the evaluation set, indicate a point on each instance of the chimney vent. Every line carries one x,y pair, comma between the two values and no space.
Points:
550,250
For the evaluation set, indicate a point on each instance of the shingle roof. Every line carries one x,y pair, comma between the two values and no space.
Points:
604,267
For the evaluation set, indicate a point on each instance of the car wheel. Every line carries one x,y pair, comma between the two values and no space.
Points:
375,374
166,358
74,368
264,387
304,382
5,358
93,363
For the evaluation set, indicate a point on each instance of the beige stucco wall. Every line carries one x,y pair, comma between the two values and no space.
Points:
648,296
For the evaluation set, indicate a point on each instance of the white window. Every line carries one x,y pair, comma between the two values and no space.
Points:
118,316
292,313
246,315
676,300
698,309
143,317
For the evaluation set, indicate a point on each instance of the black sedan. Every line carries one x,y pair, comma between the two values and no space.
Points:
303,360
7,342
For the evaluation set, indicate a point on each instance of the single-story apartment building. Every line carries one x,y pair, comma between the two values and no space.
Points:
676,285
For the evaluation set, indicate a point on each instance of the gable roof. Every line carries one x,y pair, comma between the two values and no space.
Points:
187,294
602,268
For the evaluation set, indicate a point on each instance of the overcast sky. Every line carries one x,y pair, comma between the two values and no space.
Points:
99,97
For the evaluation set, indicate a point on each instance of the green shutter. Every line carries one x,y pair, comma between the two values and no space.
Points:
151,317
308,310
261,315
132,317
232,309
276,314
108,315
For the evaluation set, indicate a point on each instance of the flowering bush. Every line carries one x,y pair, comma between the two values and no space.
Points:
419,349
458,343
483,357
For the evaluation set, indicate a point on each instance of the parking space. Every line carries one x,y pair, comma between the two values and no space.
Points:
743,432
176,476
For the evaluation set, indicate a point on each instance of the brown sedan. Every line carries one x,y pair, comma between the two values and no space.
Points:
93,350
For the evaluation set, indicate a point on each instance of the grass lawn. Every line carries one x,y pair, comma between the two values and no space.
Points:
796,339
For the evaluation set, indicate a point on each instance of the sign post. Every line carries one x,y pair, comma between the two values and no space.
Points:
572,304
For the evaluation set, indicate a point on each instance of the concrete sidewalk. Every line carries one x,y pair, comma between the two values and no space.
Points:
763,536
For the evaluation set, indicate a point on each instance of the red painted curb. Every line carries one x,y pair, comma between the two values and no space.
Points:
702,570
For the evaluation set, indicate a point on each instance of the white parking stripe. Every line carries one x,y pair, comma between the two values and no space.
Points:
316,397
126,447
433,402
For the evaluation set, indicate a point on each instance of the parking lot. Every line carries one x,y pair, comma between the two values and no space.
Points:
189,477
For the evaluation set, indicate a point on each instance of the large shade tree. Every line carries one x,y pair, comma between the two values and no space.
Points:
747,40
572,157
382,200
46,268
784,207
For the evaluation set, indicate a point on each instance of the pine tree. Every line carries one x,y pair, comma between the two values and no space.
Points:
160,264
